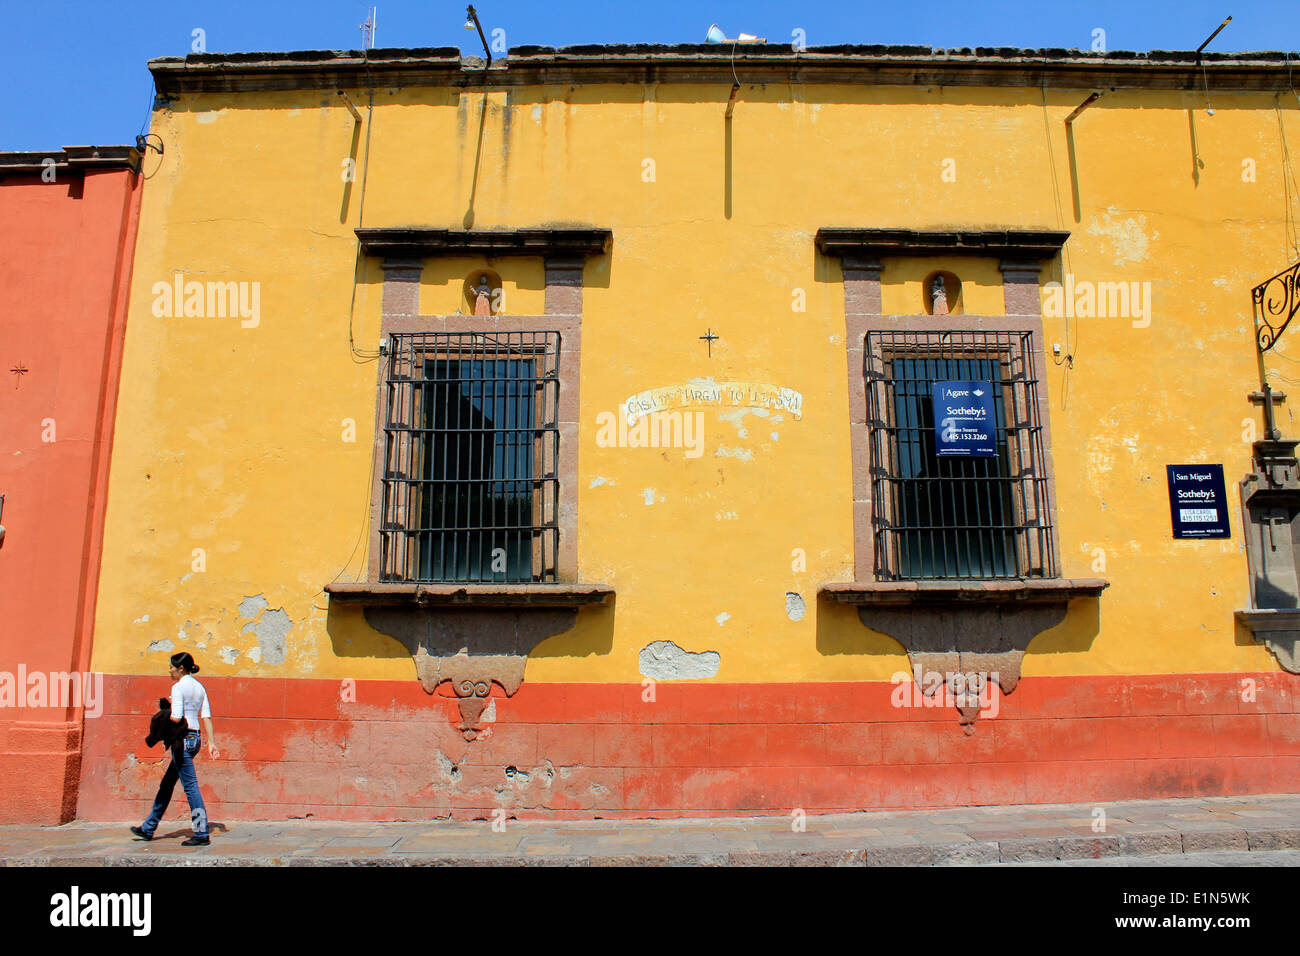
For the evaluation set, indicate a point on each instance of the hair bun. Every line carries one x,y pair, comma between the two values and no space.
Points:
194,669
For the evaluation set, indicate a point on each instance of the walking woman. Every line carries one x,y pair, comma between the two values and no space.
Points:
189,704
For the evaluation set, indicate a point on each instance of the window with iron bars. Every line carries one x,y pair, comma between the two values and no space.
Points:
470,491
954,517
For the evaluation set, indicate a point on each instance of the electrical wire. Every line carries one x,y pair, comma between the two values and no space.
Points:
1290,189
358,356
1070,349
153,96
367,354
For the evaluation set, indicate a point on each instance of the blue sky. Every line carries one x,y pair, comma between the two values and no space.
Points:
74,70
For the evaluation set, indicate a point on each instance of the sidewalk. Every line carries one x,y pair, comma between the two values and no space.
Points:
932,837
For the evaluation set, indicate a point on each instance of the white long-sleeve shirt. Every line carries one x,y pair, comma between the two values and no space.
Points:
190,700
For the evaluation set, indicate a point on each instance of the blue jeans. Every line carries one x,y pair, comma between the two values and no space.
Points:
182,766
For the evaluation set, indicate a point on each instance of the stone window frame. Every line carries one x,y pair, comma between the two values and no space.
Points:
469,634
861,252
970,627
564,253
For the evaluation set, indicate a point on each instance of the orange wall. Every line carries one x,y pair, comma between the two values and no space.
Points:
65,262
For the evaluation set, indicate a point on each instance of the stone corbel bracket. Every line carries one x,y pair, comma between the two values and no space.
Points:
473,636
979,629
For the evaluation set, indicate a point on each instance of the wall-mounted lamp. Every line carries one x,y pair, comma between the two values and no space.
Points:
1083,106
1204,78
715,35
350,105
471,23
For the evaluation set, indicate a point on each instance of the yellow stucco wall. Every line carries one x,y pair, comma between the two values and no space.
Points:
232,440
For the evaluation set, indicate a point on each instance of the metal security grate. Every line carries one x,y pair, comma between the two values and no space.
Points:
937,517
471,445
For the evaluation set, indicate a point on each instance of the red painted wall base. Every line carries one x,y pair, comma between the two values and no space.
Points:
40,762
578,751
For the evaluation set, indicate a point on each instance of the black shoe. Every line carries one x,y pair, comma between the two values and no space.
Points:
141,834
196,841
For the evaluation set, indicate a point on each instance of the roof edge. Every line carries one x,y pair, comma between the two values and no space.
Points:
71,157
643,63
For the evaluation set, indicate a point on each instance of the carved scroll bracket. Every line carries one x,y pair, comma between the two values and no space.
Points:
970,635
472,636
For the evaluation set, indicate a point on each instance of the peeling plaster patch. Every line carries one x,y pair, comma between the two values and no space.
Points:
252,606
725,515
489,714
737,418
272,630
537,113
794,606
228,654
254,654
1221,282
601,480
649,495
1100,461
180,636
722,618
450,772
141,620
1128,235
164,645
187,577
744,454
208,117
664,660
774,436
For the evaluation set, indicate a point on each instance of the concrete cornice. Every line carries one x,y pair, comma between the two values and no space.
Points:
776,63
72,157
418,243
1008,244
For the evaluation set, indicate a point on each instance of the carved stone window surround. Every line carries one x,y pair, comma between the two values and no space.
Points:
476,635
965,626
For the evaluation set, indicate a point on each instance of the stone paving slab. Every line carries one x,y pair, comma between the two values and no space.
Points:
1138,830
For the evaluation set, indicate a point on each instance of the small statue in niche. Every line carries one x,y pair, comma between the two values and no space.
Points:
483,298
939,296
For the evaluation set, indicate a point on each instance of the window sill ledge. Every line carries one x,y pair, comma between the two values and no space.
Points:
402,594
1279,630
1027,591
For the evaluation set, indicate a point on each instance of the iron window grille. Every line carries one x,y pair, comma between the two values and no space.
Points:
471,444
956,517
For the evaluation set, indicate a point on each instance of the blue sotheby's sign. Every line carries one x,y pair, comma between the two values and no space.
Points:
964,424
1198,503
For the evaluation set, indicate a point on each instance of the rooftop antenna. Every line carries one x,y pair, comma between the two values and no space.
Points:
368,28
1205,79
